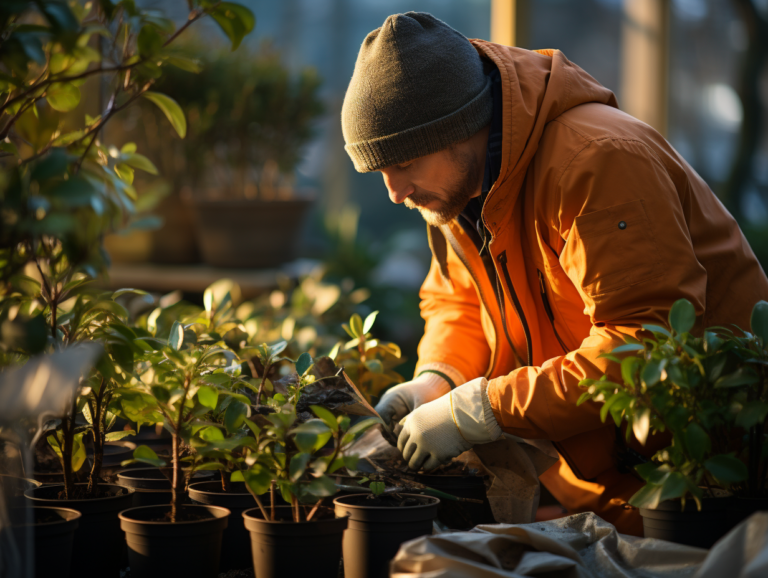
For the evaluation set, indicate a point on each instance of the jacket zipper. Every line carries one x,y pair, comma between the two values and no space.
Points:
548,309
518,307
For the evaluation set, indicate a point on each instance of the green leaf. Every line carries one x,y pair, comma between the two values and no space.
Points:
234,20
682,316
648,496
651,374
208,397
369,321
698,441
120,292
629,369
78,452
628,347
726,468
363,426
740,377
176,337
149,41
298,466
63,96
356,325
306,441
146,455
184,63
141,162
641,424
235,416
212,434
759,321
675,486
321,487
114,436
752,414
171,109
657,329
303,363
237,477
326,416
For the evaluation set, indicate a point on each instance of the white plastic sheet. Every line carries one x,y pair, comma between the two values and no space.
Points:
580,546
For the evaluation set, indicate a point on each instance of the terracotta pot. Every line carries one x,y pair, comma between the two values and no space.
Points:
161,549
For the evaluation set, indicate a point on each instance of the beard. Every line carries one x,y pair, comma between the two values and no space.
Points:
457,194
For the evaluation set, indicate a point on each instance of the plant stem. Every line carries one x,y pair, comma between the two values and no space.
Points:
263,379
176,487
272,500
98,442
258,502
295,508
68,433
314,509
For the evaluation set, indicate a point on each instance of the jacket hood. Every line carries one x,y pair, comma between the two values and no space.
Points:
537,87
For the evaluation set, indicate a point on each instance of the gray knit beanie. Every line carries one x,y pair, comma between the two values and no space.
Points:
418,87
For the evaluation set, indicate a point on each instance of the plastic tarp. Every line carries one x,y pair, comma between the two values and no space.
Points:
580,546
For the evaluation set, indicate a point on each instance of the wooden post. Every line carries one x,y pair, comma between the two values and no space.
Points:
645,61
509,22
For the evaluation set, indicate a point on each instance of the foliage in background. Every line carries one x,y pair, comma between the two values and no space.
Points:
62,188
709,393
249,120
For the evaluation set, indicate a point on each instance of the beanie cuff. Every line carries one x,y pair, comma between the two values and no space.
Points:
425,139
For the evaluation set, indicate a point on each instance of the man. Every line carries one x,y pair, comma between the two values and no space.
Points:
558,225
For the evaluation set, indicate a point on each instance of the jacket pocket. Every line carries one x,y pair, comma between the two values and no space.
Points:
611,249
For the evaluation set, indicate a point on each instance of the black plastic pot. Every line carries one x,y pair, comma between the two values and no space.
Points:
235,545
249,232
114,453
97,549
161,549
151,486
50,532
743,508
287,549
13,488
460,515
688,526
374,534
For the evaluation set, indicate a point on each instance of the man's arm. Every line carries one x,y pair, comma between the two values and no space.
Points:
629,254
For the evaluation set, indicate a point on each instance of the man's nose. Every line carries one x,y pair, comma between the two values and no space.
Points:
399,189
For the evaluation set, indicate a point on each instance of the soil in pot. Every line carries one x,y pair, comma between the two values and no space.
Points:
249,232
460,515
97,548
188,548
688,526
50,532
283,548
236,542
377,527
152,486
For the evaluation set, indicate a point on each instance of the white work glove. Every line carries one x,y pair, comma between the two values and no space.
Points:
438,431
402,399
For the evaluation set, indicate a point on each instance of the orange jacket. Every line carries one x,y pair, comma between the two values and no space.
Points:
598,226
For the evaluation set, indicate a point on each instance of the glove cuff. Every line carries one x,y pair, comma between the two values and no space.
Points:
441,371
471,412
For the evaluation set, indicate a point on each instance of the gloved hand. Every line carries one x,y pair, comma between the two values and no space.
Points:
440,430
402,399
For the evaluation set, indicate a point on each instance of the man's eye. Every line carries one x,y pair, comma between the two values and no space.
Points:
404,166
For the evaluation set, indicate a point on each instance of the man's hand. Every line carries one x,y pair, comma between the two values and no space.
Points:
402,399
438,431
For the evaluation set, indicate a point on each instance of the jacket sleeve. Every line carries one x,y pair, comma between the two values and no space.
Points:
453,332
629,254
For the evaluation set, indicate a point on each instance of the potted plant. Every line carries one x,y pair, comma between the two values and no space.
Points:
61,190
291,460
249,121
709,394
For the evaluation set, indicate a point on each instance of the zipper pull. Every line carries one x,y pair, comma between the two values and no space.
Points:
503,257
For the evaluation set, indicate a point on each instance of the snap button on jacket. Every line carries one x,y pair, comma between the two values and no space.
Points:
598,226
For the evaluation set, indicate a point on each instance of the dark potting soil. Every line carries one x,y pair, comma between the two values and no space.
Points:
386,501
185,515
81,493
